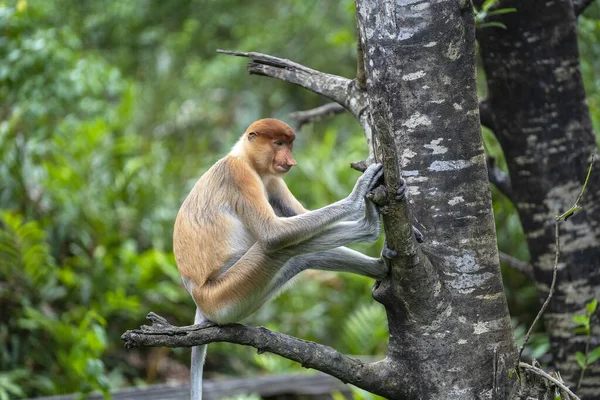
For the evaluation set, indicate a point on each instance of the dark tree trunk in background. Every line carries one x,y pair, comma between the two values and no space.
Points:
450,331
540,116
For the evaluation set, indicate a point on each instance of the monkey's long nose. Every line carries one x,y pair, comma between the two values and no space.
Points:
290,162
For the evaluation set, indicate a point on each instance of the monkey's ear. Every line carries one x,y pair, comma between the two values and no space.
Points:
252,135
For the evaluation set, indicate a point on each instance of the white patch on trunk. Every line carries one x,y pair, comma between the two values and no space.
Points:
407,154
487,326
454,201
413,76
435,146
415,120
451,165
489,296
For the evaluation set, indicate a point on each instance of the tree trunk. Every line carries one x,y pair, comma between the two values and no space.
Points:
450,330
540,116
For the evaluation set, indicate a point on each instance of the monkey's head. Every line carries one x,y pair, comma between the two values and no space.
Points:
269,143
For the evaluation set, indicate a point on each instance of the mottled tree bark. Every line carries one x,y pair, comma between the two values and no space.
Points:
540,116
450,330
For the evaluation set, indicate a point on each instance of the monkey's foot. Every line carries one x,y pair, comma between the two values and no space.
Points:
159,323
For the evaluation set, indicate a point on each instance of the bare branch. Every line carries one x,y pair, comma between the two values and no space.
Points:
309,354
548,377
316,114
579,6
341,90
517,264
499,178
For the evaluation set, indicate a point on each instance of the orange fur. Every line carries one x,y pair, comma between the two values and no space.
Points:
230,204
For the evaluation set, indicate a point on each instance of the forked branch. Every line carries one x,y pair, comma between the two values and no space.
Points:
341,90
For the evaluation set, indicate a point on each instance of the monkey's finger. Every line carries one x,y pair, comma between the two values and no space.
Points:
375,180
364,183
373,169
401,192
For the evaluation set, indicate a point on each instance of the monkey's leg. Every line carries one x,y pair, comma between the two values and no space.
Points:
340,259
242,288
238,291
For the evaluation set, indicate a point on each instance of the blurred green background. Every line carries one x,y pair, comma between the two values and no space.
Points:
109,112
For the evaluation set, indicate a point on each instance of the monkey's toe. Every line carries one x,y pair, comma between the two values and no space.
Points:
401,192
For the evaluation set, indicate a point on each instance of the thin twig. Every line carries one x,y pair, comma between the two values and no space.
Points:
539,315
576,207
587,178
550,378
316,114
519,265
562,217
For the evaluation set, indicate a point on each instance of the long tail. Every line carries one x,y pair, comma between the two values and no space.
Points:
198,356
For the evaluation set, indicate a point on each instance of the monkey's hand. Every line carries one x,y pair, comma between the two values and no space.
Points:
365,184
370,223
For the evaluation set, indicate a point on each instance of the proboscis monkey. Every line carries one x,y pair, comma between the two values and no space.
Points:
240,235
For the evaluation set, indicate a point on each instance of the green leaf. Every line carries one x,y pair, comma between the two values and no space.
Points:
487,4
12,388
582,330
502,11
493,25
594,355
591,306
581,320
581,359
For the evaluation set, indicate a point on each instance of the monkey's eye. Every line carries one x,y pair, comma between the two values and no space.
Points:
279,143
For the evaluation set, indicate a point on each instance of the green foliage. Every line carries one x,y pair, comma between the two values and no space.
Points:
365,330
358,394
583,325
538,343
486,11
588,29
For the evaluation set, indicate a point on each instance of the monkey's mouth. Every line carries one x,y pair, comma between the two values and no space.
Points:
283,168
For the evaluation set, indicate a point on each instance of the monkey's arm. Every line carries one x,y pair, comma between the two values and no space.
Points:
282,200
275,233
